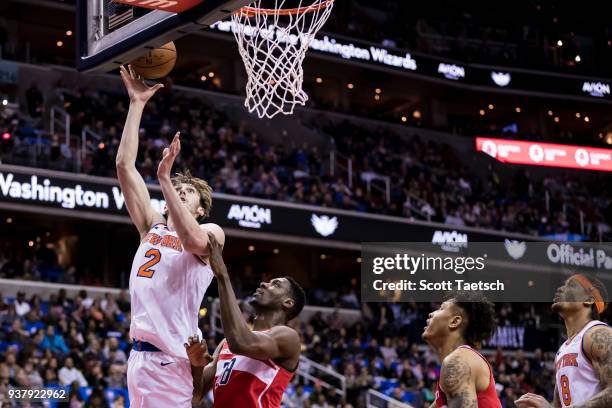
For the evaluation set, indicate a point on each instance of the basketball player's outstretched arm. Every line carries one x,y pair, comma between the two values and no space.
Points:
531,400
193,236
203,366
137,199
457,381
280,342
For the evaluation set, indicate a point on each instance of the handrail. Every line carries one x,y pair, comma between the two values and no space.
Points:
83,150
65,117
304,361
411,199
386,190
334,165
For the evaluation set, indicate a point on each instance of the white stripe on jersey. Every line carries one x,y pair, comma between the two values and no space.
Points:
258,368
576,378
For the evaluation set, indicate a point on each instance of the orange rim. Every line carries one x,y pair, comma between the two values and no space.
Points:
254,11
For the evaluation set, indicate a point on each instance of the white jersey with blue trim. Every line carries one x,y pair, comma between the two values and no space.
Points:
167,285
576,379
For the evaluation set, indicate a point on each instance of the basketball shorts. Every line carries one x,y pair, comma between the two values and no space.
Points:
158,380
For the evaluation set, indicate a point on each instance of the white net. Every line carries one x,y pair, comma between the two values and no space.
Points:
273,42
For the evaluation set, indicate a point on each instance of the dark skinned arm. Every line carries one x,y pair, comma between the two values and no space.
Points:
531,400
203,367
278,343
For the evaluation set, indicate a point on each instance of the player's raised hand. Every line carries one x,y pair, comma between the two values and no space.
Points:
168,156
197,351
530,400
214,255
137,89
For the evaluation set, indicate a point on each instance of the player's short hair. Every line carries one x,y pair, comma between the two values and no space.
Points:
480,313
202,188
299,298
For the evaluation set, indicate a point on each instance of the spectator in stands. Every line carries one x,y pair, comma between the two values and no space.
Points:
32,376
54,342
86,300
33,324
117,376
11,363
17,333
113,353
22,307
74,396
298,399
69,374
4,307
34,100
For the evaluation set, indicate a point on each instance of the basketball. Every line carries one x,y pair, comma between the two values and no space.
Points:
156,63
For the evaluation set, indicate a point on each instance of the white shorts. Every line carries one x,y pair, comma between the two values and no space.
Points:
157,380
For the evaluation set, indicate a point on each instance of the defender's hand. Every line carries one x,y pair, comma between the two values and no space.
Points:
197,351
214,256
530,400
169,155
137,89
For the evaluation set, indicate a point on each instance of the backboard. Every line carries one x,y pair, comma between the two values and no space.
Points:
110,33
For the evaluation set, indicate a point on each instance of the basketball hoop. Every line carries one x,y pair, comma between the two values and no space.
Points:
273,43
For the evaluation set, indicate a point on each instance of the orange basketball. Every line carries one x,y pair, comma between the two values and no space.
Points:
157,62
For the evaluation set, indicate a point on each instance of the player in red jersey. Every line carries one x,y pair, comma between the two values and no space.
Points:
583,377
454,331
249,368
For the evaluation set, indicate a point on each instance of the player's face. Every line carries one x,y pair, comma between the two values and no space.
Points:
190,198
439,321
569,297
271,294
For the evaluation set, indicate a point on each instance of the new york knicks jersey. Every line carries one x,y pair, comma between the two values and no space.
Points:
167,285
245,382
577,381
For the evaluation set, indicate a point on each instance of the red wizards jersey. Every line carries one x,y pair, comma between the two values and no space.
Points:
245,382
486,399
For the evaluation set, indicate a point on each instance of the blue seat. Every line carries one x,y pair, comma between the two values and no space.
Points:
408,397
388,385
85,392
44,308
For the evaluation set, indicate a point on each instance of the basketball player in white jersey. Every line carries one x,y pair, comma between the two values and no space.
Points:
169,273
250,368
584,362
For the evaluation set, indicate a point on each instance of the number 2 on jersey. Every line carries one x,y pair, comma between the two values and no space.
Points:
565,390
145,270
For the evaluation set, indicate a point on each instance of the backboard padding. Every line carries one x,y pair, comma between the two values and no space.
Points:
100,48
